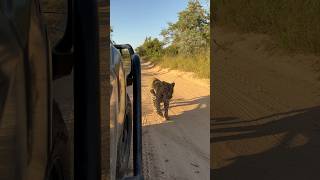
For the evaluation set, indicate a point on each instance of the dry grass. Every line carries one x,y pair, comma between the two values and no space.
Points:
199,64
295,25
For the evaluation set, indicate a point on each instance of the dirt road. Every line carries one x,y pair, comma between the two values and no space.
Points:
177,148
266,113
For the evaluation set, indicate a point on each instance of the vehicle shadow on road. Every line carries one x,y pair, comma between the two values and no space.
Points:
282,161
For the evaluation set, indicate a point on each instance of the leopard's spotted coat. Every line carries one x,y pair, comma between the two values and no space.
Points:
161,92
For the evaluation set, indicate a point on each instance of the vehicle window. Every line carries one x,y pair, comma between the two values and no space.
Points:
126,61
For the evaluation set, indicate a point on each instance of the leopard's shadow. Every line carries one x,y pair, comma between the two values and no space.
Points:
201,107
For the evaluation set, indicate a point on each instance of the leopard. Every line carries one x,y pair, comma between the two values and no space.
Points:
161,92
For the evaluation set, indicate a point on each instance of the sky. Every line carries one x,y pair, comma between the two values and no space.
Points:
133,20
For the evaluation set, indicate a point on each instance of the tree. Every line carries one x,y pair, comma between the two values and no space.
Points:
141,51
171,50
151,47
191,33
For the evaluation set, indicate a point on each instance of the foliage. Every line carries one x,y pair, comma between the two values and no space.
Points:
199,64
151,47
185,44
171,50
190,34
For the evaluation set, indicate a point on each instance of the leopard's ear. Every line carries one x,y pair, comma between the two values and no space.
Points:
152,91
173,84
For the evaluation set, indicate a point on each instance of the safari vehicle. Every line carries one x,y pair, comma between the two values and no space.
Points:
122,116
34,141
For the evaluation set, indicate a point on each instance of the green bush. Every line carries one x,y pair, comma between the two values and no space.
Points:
150,47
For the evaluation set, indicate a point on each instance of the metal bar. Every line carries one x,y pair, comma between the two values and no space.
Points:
53,12
125,46
86,92
131,51
133,178
137,127
135,77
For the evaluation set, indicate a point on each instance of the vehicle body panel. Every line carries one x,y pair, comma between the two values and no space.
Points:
25,109
113,119
118,104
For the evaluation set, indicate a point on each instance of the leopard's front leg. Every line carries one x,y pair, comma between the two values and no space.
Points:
166,108
156,105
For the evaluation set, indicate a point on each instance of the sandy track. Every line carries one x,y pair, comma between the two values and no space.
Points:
177,148
265,114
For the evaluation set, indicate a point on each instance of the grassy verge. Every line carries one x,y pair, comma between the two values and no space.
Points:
199,64
295,25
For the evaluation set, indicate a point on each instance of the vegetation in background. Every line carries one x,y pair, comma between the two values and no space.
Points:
199,64
294,24
190,34
151,47
185,43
